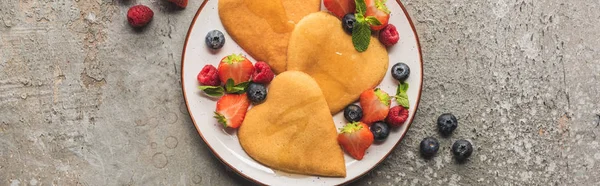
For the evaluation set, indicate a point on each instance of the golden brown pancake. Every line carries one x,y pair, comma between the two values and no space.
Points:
320,47
292,130
263,27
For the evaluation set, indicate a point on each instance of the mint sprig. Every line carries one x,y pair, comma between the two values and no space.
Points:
231,88
402,96
361,34
214,91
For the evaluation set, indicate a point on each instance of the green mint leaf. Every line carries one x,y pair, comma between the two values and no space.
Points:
359,17
243,86
361,36
229,85
402,87
402,96
361,6
373,21
236,89
214,91
402,100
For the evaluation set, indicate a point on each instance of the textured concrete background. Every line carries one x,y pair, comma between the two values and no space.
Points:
86,100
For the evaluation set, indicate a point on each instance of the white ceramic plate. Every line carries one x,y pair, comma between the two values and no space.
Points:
225,145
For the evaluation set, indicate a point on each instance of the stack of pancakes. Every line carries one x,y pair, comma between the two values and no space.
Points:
319,73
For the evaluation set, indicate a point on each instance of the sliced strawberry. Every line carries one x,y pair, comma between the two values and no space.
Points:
340,8
355,138
180,3
236,67
379,10
231,110
375,105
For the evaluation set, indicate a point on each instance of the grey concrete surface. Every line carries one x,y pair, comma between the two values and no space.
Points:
86,100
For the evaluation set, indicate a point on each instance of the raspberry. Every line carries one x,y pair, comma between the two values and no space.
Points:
209,76
397,116
180,3
389,35
263,73
139,15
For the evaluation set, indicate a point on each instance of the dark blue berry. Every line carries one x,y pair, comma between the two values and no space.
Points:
256,93
429,147
353,113
380,131
215,39
348,22
400,71
462,149
447,123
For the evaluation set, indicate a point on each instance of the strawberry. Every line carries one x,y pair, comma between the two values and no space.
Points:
231,110
340,8
375,104
235,67
139,15
180,3
379,10
355,138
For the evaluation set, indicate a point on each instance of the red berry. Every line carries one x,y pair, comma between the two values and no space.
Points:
236,67
231,110
262,73
375,104
139,15
180,3
389,35
355,138
209,76
340,8
380,11
397,116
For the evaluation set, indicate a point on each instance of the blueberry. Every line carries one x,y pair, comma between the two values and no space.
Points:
215,39
400,71
447,123
462,149
429,147
353,113
348,22
380,131
257,93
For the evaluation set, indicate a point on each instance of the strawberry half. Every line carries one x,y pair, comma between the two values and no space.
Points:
180,3
231,110
379,10
236,67
355,138
340,8
375,105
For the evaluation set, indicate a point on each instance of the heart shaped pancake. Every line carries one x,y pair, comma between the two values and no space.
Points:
262,28
320,47
293,130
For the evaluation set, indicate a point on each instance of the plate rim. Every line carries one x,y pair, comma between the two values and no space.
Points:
187,37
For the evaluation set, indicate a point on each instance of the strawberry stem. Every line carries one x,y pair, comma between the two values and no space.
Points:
221,119
351,127
234,58
380,5
383,96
